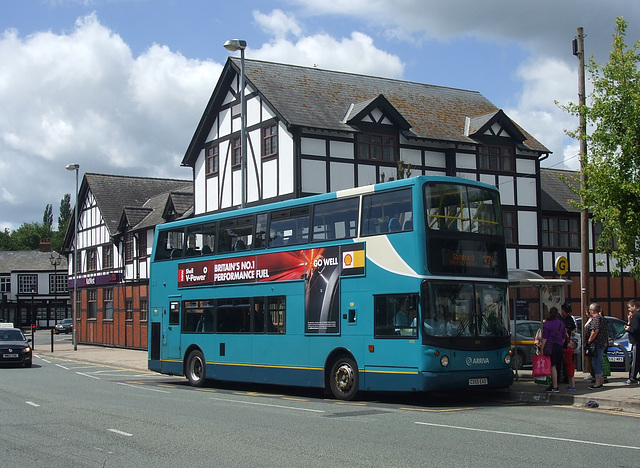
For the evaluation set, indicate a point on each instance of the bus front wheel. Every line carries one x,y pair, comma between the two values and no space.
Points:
196,371
343,380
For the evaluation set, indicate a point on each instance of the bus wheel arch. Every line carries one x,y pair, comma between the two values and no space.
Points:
195,367
341,375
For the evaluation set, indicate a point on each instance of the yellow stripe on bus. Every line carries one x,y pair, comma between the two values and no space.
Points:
268,366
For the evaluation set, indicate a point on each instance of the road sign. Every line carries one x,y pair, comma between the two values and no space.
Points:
562,265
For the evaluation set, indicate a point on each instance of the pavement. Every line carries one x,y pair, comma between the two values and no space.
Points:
615,396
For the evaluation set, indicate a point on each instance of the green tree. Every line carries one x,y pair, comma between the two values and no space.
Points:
612,163
5,239
65,212
47,217
28,236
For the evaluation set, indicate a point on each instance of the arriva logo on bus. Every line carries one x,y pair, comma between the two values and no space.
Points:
479,360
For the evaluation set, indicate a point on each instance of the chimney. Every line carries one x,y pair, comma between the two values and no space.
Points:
45,245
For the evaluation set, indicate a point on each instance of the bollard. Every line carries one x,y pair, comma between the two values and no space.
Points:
52,340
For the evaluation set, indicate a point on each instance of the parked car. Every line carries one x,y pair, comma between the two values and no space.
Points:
64,326
14,347
617,337
523,333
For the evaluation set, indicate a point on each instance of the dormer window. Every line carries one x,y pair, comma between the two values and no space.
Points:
377,147
495,158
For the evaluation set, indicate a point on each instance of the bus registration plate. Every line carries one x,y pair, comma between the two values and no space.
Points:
483,381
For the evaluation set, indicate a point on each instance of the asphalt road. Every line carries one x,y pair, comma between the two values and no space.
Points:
62,413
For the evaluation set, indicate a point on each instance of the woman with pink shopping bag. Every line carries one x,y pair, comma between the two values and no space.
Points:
554,333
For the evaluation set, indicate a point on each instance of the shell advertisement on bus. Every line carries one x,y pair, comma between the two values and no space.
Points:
320,268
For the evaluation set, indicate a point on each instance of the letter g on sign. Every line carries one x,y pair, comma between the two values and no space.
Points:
562,265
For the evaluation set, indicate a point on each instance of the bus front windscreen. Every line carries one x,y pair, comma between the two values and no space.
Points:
462,208
464,230
459,310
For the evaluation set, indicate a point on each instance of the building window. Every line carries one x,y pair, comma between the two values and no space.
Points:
128,247
212,159
270,140
92,259
27,284
236,157
57,284
377,147
108,303
142,245
5,284
495,158
128,309
144,315
92,303
509,223
561,232
107,256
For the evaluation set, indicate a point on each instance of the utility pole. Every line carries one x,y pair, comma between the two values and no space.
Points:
578,50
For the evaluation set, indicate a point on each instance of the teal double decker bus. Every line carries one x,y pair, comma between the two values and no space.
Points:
399,286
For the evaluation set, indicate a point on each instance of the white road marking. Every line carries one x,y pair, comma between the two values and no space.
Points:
267,404
63,367
87,375
532,436
143,387
116,431
32,403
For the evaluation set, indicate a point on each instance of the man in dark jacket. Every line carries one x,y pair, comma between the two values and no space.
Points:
633,328
570,326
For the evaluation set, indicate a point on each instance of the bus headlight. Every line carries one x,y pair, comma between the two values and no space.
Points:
507,359
444,361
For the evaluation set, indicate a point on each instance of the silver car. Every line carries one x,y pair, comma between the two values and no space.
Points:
523,333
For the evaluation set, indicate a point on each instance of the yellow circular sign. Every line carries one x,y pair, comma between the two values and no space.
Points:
562,265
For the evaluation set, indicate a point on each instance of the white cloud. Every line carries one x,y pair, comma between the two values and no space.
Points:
278,24
82,97
324,51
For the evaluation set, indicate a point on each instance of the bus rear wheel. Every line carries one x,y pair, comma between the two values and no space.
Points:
196,369
343,380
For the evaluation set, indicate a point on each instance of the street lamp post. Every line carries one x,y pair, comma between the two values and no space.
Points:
55,261
74,332
235,45
33,319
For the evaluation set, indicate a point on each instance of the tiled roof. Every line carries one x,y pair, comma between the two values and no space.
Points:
316,98
113,193
29,260
555,193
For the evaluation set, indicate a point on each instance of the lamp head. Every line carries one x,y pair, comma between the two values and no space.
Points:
73,167
235,44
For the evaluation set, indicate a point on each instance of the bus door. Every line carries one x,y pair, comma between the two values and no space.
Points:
170,351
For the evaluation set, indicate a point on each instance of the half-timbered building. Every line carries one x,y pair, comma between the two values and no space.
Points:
116,220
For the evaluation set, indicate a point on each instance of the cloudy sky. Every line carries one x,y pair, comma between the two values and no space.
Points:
119,86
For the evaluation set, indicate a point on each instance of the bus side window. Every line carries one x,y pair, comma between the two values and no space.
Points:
174,313
289,227
387,212
336,219
396,315
235,234
276,318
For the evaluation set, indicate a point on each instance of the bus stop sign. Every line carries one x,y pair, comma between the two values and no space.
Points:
562,265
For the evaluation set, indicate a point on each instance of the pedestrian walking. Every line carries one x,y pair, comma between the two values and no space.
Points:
633,329
553,334
599,341
570,325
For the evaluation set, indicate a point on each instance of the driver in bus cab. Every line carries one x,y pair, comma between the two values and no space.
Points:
401,319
